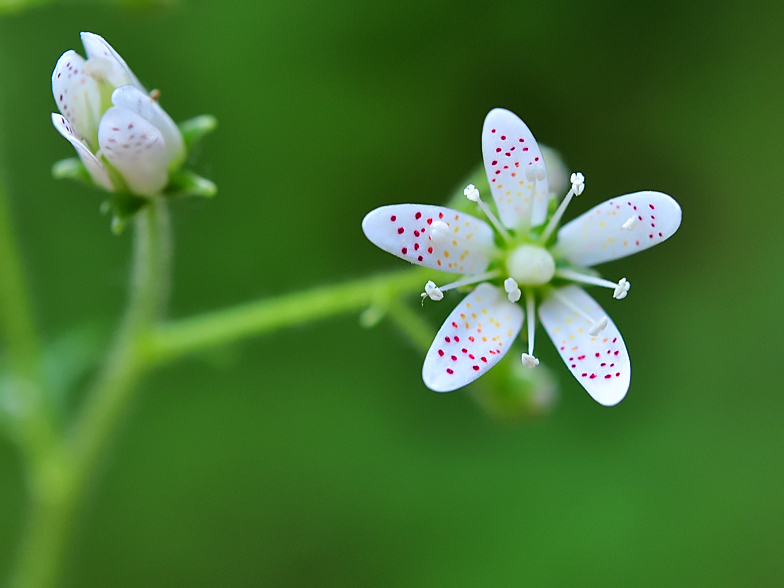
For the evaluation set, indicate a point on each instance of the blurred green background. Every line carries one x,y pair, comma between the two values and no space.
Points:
316,457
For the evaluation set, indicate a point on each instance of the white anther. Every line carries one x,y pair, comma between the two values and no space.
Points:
535,171
439,231
598,326
631,224
471,193
514,295
621,289
578,183
529,361
510,285
433,292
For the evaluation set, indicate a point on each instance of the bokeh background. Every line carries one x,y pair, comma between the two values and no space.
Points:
316,457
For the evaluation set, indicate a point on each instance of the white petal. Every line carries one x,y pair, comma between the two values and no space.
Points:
136,148
508,148
132,98
77,96
477,334
405,230
94,166
120,74
598,235
600,363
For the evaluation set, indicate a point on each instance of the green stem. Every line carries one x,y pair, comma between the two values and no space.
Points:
33,425
186,336
59,478
16,322
125,362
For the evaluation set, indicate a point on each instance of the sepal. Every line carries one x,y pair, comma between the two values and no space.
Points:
194,129
512,393
186,183
72,168
122,207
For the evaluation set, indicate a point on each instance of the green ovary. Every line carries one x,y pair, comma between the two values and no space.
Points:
530,265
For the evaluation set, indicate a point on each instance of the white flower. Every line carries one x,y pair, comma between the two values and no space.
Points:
527,263
120,132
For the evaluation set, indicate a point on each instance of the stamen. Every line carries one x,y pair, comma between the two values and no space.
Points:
619,290
631,224
578,185
472,193
529,361
432,291
528,358
512,290
533,173
437,293
596,326
155,95
439,232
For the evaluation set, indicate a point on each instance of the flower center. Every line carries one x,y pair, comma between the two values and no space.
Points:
530,265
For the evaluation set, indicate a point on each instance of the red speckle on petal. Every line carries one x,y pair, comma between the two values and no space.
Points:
416,246
449,371
441,353
457,339
593,376
440,215
498,150
476,368
420,258
652,208
503,137
447,339
400,231
418,215
584,374
404,251
454,358
608,376
597,355
617,374
484,359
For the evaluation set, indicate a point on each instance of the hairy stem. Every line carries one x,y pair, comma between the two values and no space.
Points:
58,478
191,335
